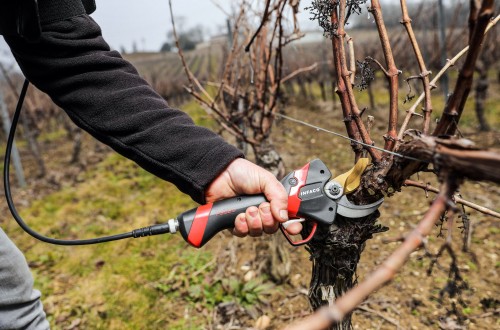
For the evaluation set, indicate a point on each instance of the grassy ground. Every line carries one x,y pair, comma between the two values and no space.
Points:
161,282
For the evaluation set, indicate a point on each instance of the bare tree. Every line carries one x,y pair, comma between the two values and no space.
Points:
249,93
30,129
486,61
16,158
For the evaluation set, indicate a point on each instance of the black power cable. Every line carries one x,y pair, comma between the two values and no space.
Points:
142,232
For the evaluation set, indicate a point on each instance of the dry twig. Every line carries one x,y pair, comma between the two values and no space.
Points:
392,75
449,120
424,73
451,62
356,130
458,199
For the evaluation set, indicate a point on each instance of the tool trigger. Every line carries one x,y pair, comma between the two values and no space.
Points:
299,242
289,222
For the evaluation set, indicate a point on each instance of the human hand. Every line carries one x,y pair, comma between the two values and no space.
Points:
242,177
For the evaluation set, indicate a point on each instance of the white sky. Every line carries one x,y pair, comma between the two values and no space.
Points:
146,22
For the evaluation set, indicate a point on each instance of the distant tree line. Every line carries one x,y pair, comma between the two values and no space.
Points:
188,39
455,11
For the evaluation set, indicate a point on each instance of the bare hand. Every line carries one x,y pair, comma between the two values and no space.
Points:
242,177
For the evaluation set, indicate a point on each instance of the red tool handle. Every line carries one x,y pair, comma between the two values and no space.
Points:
199,225
306,199
300,242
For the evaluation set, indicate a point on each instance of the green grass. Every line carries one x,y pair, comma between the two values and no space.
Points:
381,96
116,197
199,115
130,284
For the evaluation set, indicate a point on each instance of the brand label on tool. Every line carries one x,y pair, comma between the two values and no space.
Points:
310,191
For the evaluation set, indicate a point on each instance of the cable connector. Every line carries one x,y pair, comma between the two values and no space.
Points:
164,228
173,225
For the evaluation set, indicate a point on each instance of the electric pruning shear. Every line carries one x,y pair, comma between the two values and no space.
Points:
312,196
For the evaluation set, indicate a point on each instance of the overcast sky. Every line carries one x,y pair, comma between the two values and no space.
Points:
146,22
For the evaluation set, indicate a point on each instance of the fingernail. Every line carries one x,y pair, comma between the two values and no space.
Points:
253,213
284,215
266,209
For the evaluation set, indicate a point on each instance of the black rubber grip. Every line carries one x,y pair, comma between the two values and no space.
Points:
199,225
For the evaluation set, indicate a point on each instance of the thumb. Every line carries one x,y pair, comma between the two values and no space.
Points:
277,196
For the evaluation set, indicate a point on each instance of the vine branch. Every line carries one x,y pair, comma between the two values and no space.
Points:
451,62
456,198
262,23
424,73
451,116
344,87
392,74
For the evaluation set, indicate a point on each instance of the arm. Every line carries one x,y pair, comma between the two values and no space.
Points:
104,94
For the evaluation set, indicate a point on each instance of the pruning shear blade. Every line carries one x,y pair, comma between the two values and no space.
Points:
347,209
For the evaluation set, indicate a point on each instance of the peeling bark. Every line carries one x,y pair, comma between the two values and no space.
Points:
482,85
335,252
267,157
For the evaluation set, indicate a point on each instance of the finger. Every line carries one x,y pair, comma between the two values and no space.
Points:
240,225
294,228
276,194
268,224
254,222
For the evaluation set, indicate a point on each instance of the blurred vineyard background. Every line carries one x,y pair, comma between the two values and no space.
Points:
79,188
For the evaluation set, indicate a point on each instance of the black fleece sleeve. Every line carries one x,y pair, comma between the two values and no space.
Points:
104,94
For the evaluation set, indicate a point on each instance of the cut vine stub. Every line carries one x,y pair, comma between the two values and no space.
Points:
335,252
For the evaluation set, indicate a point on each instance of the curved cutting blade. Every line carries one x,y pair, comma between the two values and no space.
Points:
349,210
